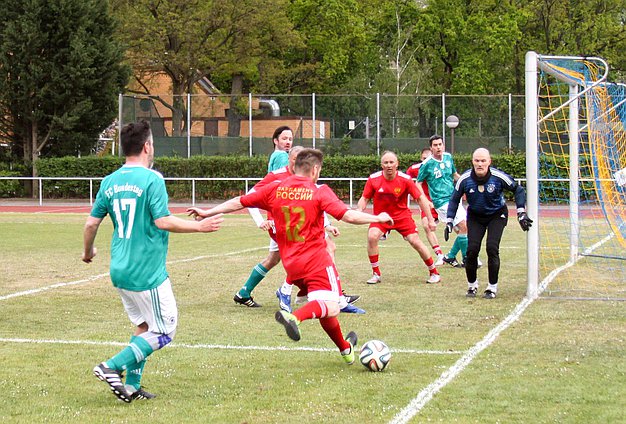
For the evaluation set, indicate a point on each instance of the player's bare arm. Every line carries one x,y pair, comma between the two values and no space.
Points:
358,217
362,204
175,224
89,236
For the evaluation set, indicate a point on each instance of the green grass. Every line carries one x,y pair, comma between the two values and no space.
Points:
562,361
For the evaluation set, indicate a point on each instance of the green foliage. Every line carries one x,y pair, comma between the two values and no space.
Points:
337,166
60,73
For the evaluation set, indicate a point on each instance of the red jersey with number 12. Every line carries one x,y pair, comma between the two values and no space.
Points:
390,196
298,206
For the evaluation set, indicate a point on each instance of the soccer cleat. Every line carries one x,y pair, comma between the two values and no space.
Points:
351,309
452,262
351,338
433,278
290,323
384,236
489,294
439,260
141,394
471,292
284,301
246,301
114,379
374,280
351,299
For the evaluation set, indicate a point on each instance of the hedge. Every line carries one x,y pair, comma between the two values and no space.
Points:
232,166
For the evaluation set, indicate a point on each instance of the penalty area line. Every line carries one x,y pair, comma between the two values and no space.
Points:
97,277
215,346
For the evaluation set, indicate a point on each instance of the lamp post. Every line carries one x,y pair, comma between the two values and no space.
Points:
452,122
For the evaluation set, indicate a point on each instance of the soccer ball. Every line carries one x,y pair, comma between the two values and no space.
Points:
375,355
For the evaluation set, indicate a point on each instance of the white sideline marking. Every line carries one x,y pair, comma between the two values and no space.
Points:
450,374
217,346
96,277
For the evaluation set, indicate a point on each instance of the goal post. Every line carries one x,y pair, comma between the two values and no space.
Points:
575,152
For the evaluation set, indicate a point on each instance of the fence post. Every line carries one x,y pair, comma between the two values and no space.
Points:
188,125
250,124
443,116
510,123
313,116
378,124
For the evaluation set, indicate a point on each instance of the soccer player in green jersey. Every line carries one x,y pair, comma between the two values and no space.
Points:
136,199
439,172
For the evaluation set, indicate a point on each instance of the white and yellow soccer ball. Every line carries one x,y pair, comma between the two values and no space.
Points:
375,355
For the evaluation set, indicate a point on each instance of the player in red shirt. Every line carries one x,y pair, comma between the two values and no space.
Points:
389,190
412,172
298,205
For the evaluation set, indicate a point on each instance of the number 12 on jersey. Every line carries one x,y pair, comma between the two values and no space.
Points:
293,233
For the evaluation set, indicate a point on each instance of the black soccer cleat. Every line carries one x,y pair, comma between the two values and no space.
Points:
246,301
141,394
452,262
489,294
351,299
471,292
114,379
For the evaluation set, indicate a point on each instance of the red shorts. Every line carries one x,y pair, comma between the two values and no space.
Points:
326,279
404,225
434,212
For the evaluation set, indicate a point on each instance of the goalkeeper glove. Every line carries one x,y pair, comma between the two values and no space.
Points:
447,231
524,221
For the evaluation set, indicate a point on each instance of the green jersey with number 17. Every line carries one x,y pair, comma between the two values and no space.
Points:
134,197
439,175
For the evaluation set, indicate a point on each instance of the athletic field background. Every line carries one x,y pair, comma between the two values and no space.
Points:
455,359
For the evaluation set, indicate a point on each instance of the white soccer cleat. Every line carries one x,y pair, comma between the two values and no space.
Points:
374,280
439,260
433,278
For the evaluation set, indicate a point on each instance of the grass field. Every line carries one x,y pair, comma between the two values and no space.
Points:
454,359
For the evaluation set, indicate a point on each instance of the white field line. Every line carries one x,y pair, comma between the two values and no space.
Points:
216,346
416,405
96,277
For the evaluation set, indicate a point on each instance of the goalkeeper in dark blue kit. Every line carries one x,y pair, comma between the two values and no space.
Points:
486,213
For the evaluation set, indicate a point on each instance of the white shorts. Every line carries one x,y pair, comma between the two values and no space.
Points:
155,307
273,245
461,214
323,295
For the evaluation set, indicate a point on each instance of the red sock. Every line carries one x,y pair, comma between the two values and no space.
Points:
438,250
374,263
311,310
333,329
430,263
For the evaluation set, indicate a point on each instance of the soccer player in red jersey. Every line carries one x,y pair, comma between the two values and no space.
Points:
412,172
389,190
298,205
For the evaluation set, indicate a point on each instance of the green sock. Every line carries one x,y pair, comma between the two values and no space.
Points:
462,239
137,350
455,248
258,273
135,371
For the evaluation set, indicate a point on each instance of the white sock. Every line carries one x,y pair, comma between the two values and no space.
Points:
492,288
286,288
473,285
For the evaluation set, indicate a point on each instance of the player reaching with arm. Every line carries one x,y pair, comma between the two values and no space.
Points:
298,206
389,190
431,236
136,199
487,212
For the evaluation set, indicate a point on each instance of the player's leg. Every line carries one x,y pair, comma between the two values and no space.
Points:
495,229
156,315
476,232
424,253
373,235
431,236
260,270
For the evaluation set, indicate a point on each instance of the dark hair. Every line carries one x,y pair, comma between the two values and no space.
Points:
134,136
307,159
433,138
279,130
426,149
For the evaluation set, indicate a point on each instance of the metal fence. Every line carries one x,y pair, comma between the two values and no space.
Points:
338,124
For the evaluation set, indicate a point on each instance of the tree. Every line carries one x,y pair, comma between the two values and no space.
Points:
228,41
60,73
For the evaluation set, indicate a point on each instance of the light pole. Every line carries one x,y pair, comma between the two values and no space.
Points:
452,122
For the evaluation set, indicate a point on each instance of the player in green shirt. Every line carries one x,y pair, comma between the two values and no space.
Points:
136,199
439,172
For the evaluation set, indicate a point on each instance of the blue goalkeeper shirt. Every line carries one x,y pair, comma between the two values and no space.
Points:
484,195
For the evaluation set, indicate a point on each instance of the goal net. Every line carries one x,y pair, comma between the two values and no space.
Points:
576,178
